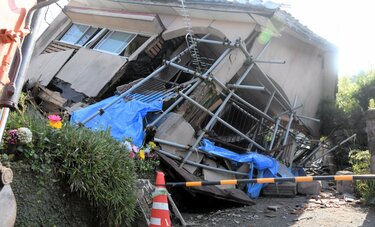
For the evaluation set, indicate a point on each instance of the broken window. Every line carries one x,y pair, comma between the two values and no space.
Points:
115,42
78,34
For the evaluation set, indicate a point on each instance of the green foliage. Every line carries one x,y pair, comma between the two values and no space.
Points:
331,116
146,168
92,163
356,91
360,161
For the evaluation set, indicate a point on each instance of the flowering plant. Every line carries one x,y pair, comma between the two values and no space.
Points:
15,139
11,137
144,157
55,121
146,151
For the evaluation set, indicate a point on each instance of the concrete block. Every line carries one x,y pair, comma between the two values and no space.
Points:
345,186
309,188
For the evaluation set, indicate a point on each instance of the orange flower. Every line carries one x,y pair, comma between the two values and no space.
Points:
55,121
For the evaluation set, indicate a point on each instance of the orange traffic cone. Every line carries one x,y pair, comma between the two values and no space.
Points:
160,211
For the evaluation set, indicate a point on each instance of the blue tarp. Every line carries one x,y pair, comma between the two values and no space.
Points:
124,118
266,166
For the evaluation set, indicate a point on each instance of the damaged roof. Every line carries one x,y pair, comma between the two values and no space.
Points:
256,7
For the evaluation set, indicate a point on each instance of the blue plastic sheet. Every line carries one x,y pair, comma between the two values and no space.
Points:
266,166
123,118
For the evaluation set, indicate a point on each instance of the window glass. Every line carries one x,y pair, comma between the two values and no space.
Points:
78,34
89,33
115,42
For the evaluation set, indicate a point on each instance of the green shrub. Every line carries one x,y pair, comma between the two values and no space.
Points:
92,163
360,161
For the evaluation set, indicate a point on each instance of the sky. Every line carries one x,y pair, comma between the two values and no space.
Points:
347,24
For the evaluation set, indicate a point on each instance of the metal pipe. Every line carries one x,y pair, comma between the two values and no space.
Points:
153,74
170,143
34,8
184,69
27,48
262,120
274,86
224,43
301,163
205,75
222,106
275,133
244,50
216,63
3,120
270,62
247,87
170,108
245,112
335,147
288,111
200,165
308,118
206,128
288,128
223,122
269,92
261,113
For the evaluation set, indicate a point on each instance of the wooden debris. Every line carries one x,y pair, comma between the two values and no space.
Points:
52,101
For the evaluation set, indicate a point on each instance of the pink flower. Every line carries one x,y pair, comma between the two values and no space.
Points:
132,155
135,148
54,118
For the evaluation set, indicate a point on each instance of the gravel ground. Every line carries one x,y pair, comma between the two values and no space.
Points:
326,210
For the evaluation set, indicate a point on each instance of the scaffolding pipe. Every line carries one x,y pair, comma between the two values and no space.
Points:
275,133
183,69
271,62
153,74
224,43
101,111
205,75
247,87
259,128
269,92
170,108
223,122
170,143
308,118
200,165
310,155
206,128
335,147
291,110
213,119
274,86
290,122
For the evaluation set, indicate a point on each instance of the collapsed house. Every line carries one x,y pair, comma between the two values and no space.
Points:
227,89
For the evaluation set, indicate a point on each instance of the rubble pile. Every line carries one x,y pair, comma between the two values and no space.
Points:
220,102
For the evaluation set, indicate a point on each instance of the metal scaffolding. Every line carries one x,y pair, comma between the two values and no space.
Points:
249,127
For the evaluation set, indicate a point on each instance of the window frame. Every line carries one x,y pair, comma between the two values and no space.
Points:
81,36
106,37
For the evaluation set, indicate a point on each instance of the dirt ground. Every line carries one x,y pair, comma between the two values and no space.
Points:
327,210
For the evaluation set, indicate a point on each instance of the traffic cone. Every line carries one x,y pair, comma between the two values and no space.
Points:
160,211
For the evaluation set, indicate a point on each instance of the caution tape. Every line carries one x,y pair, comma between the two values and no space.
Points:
271,180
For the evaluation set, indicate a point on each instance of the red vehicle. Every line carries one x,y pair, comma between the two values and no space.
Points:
16,44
